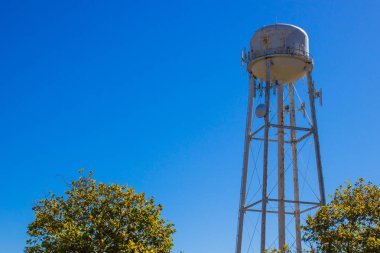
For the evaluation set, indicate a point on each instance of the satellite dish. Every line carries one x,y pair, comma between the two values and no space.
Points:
261,110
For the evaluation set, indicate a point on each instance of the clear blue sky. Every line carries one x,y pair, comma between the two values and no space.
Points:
151,93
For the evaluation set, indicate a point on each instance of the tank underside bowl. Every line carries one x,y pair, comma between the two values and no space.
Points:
284,68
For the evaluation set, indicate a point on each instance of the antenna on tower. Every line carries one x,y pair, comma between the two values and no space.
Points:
243,57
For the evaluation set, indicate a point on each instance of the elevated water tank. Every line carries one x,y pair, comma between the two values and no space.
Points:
286,45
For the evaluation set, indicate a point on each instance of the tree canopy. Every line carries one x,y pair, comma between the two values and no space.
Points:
95,217
349,223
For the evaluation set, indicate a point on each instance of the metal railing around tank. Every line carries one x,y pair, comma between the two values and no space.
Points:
254,54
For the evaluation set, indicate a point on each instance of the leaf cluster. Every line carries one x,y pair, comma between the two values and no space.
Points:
95,217
286,250
349,223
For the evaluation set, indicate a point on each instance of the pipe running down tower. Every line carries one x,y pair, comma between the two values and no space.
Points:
277,59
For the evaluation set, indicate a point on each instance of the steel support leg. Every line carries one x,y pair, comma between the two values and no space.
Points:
281,167
245,165
311,91
265,165
295,169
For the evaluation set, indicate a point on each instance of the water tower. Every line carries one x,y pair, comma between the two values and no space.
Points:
278,63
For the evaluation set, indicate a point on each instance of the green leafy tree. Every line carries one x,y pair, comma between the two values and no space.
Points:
350,223
95,217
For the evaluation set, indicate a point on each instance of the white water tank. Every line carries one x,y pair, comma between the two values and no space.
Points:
286,45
